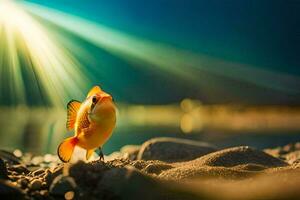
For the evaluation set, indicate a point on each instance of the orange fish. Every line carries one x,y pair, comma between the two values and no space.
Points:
93,122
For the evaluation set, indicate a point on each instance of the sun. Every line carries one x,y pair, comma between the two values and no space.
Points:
7,11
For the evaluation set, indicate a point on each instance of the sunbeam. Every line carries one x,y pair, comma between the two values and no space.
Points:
163,57
58,74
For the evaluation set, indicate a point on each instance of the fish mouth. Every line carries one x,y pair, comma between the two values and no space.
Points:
102,98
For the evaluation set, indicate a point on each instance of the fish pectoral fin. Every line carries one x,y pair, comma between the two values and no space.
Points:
72,109
89,153
66,148
94,90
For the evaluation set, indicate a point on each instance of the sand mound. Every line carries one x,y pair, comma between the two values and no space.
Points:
116,180
125,179
239,156
237,162
173,149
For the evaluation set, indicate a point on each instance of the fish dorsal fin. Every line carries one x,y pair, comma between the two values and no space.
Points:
94,90
73,107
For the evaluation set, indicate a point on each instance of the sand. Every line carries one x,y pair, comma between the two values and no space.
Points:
233,173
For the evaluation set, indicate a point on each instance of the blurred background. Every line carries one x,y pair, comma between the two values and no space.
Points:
225,72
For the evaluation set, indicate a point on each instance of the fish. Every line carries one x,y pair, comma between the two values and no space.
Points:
93,122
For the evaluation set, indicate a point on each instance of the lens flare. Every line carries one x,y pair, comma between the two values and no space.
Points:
58,74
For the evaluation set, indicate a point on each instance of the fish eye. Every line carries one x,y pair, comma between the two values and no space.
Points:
94,100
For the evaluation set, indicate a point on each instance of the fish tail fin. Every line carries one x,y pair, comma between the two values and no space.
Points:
66,148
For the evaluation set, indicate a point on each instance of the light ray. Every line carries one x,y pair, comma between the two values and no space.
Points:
165,58
17,86
57,71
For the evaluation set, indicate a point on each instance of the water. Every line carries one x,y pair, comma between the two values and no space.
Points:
40,130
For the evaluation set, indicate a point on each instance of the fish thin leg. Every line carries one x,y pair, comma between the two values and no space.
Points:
101,155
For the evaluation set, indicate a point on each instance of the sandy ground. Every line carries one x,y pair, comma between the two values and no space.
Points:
161,168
